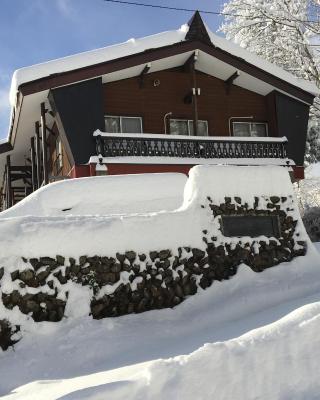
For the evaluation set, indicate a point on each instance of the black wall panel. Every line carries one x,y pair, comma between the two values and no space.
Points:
292,119
80,108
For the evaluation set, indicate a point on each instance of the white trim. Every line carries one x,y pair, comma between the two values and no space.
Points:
199,138
286,162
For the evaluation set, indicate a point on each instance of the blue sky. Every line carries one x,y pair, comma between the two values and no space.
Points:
33,31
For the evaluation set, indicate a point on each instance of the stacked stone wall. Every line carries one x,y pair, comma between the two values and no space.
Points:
131,282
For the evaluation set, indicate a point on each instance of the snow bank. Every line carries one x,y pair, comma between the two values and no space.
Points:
313,171
245,182
80,349
74,235
104,195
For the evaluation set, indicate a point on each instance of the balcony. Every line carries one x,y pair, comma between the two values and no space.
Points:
151,147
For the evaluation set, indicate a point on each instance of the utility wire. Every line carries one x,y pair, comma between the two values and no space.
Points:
135,3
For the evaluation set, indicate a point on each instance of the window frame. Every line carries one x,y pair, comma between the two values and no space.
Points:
251,123
188,123
120,121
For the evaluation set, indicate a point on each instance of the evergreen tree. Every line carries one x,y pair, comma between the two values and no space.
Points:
286,33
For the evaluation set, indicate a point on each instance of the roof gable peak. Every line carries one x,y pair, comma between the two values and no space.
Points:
198,30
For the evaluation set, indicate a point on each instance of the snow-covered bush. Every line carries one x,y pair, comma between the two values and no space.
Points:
311,219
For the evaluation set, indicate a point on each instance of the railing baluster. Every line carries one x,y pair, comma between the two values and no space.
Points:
121,146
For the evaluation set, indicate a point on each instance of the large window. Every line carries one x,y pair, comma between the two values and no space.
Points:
185,127
116,124
245,129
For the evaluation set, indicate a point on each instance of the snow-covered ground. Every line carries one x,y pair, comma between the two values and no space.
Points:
253,337
250,338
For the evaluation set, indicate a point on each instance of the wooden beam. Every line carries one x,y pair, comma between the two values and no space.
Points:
44,144
228,82
145,70
9,186
195,102
33,165
38,154
190,63
21,168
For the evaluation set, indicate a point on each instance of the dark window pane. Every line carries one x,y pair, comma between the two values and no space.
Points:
179,127
241,129
131,125
259,130
112,124
202,128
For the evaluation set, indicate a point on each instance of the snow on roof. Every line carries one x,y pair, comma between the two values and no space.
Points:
134,46
85,59
261,63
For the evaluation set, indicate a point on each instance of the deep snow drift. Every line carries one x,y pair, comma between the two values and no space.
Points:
79,354
246,358
103,195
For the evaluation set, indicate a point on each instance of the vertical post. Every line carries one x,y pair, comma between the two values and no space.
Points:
44,144
195,100
9,186
38,154
33,166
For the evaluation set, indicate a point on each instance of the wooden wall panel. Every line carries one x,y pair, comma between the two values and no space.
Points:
125,97
66,165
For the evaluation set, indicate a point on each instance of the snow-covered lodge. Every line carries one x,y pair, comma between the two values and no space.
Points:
161,103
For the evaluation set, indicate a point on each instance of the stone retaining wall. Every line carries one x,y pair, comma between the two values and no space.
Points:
132,283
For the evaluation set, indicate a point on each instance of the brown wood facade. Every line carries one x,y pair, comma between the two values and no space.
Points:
216,103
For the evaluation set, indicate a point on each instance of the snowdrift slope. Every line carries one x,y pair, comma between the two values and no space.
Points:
247,358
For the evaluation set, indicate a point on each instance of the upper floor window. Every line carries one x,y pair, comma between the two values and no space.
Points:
255,129
115,124
185,127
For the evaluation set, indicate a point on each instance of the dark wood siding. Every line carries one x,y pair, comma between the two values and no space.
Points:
152,103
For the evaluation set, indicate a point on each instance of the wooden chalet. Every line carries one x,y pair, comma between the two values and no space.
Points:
161,103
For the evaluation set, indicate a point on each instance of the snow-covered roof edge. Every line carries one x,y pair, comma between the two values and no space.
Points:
134,46
251,58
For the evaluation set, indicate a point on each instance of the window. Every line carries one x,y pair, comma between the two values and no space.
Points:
255,129
123,124
185,127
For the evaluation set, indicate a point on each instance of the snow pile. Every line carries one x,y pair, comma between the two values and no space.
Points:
313,171
104,195
87,354
78,235
131,356
308,194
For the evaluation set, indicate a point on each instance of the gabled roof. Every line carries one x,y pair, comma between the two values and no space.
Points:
216,56
194,31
